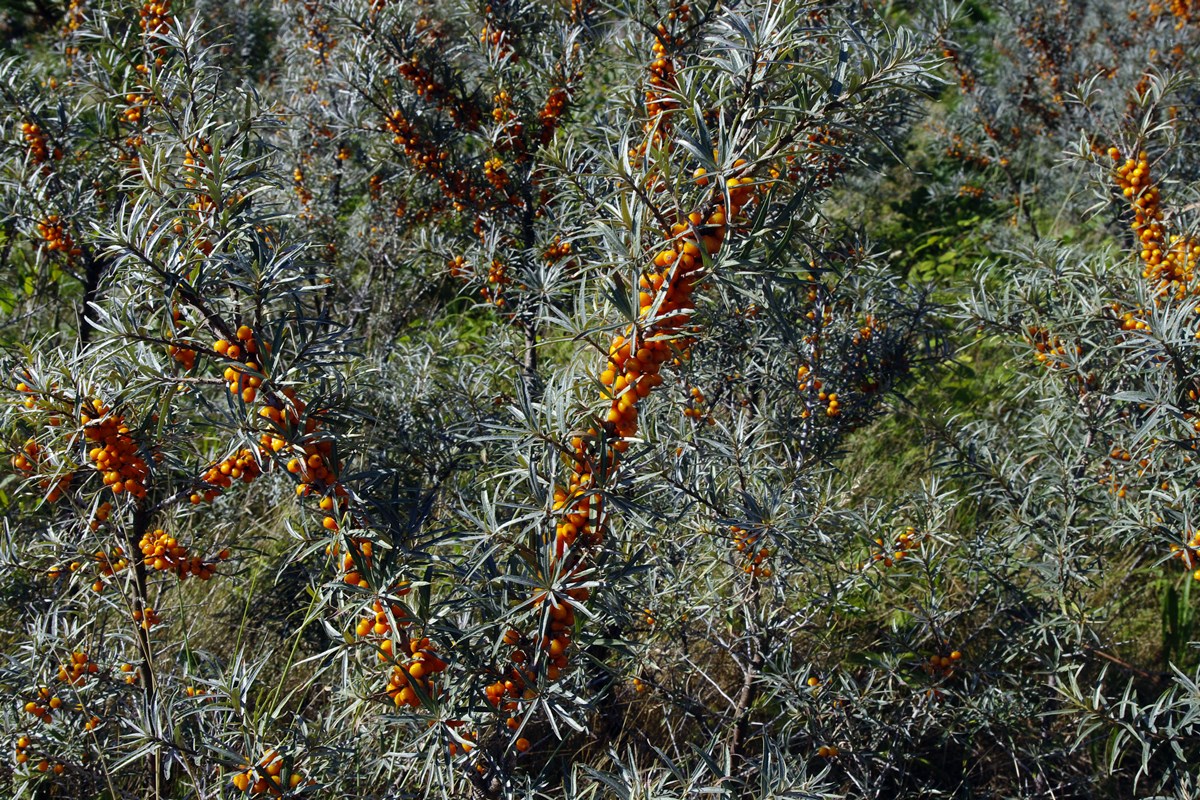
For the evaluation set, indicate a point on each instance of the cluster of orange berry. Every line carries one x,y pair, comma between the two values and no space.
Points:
694,408
301,190
942,666
464,741
1120,455
493,170
1170,263
58,768
423,80
497,280
203,204
147,618
501,41
828,751
194,164
315,470
103,511
283,419
320,42
244,376
557,639
1050,350
805,379
358,557
73,18
44,706
156,16
427,86
242,466
22,756
135,107
184,355
557,251
635,359
164,553
427,158
833,406
21,750
633,373
679,12
1114,483
56,239
1184,11
755,557
661,333
268,776
904,544
578,520
379,621
148,66
27,459
870,325
789,168
30,401
551,111
506,692
582,512
515,683
412,671
1130,320
659,103
116,453
960,150
74,671
39,148
580,10
106,565
807,382
1189,553
314,467
414,660
502,113
129,153
966,78
664,311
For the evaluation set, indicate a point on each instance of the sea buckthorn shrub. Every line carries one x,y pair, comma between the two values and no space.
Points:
655,315
1079,484
198,369
446,399
465,578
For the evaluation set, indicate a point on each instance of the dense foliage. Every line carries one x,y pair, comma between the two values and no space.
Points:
772,398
